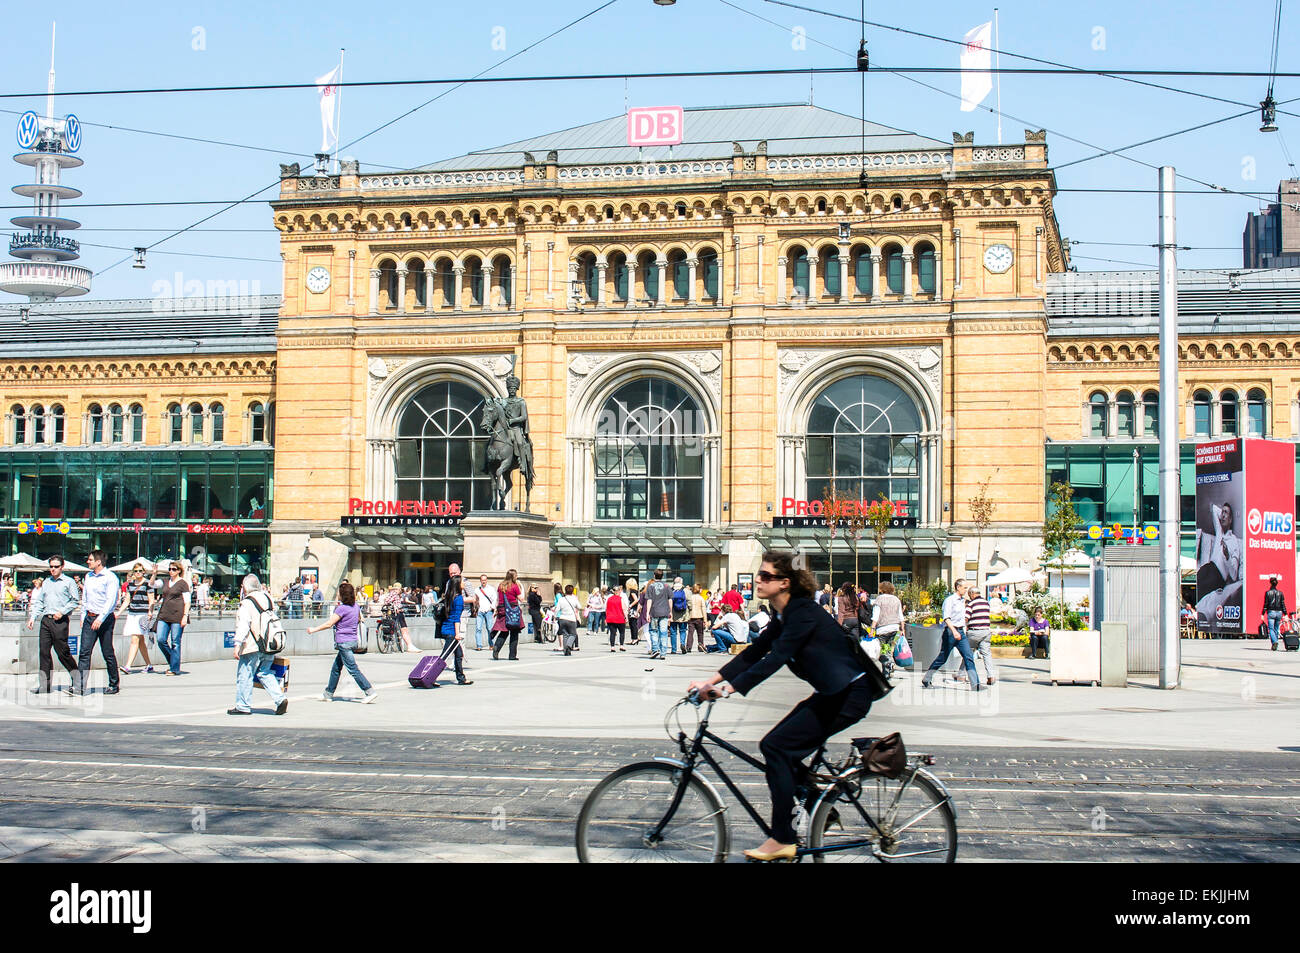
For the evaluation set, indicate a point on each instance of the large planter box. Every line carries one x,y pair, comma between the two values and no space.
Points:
925,641
1076,656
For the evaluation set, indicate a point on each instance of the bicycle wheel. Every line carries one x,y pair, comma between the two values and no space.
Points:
381,640
916,820
622,811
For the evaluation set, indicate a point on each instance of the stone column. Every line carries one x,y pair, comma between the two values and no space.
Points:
760,265
550,268
571,304
735,265
907,275
844,278
401,290
876,295
1268,418
487,286
429,274
1216,417
780,280
662,264
1112,418
938,277
352,283
956,273
691,265
814,258
459,272
374,290
528,274
514,288
602,269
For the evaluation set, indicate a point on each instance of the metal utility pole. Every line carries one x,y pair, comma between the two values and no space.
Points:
1170,550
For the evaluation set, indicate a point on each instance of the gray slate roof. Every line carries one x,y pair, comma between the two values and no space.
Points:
709,134
1100,303
136,327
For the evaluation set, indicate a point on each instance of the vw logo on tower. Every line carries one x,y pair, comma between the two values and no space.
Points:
72,133
29,128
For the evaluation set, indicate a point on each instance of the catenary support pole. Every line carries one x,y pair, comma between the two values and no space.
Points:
1170,550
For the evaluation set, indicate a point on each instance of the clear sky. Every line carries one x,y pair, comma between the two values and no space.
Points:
119,45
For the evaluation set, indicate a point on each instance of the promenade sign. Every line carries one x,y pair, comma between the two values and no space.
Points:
403,512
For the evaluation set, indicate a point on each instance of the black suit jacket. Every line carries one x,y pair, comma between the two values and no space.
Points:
808,640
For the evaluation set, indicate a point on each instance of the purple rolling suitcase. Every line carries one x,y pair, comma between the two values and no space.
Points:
426,671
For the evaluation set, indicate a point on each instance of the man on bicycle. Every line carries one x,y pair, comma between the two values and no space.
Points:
817,650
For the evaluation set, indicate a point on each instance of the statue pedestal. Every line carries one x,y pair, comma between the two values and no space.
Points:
498,540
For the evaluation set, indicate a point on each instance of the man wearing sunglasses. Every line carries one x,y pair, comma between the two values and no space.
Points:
52,606
845,682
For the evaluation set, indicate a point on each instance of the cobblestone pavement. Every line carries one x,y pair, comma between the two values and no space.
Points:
106,793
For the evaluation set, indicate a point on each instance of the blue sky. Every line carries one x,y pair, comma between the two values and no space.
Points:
118,45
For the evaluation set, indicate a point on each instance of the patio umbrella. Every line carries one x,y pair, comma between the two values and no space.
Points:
24,562
1186,565
131,564
1010,577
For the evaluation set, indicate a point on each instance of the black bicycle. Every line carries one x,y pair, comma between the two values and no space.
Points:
388,636
664,810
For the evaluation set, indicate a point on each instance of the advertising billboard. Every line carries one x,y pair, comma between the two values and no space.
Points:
1270,525
1245,531
1220,499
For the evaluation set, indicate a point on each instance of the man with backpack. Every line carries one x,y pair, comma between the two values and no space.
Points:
658,597
259,635
681,608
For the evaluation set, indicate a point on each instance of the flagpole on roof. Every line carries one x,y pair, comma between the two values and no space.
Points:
997,68
338,116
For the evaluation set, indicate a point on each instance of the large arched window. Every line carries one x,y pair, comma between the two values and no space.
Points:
95,424
474,279
116,423
1150,414
415,281
648,267
218,423
257,423
649,454
1201,413
1256,413
588,276
681,274
925,270
445,279
1228,413
862,270
38,423
798,270
56,423
388,280
18,413
618,274
1125,414
196,422
864,436
175,424
894,269
136,419
708,265
501,277
1098,415
440,447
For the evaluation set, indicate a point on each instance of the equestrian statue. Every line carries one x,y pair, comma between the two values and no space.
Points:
510,447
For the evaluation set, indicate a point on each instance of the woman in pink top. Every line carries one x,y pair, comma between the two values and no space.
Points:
616,617
509,616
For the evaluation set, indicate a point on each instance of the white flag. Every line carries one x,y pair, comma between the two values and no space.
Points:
329,90
975,61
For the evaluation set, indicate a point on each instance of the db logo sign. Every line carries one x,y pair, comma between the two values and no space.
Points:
655,126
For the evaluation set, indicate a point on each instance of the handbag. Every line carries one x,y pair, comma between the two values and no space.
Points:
884,756
513,615
902,651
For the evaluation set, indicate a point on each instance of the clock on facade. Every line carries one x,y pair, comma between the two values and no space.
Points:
318,279
998,258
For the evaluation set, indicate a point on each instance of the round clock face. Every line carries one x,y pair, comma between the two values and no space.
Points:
998,258
318,279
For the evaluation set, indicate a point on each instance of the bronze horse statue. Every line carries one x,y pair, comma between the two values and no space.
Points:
502,458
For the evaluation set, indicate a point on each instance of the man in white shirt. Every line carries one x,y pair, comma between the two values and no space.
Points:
729,629
99,605
254,663
954,636
487,610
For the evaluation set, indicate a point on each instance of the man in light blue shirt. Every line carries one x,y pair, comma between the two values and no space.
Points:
51,609
954,636
102,591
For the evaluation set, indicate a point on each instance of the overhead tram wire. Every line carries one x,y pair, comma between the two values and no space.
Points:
1102,152
1019,56
339,149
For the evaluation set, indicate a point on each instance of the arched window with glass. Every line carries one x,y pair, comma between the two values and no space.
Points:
175,423
925,268
1150,414
797,265
864,437
1124,413
894,269
707,261
137,423
619,276
1229,425
501,275
588,276
445,278
649,461
218,423
57,419
474,279
829,263
95,424
116,423
648,268
18,414
38,423
1098,415
388,280
862,270
415,281
440,448
196,422
1201,413
257,423
1256,413
681,275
